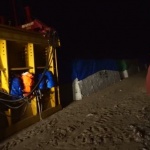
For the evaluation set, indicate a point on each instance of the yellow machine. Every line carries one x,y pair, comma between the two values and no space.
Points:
26,51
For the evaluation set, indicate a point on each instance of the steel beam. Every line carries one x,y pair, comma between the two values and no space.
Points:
20,35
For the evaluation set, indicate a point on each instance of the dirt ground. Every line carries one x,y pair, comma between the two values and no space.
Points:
116,118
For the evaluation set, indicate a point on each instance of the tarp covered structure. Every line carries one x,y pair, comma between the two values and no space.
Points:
85,68
82,68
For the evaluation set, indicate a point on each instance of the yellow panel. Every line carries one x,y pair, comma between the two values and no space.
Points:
54,92
34,106
57,88
30,63
8,113
51,63
4,66
52,97
30,57
4,72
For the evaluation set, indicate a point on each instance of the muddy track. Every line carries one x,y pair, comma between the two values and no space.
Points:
116,118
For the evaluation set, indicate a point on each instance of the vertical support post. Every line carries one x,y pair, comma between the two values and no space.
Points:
52,90
31,63
56,70
4,72
4,65
51,63
30,57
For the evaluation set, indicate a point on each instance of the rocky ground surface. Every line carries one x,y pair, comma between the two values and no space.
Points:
116,118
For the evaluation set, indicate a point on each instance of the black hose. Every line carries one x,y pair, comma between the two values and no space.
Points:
13,107
5,93
26,98
22,99
14,116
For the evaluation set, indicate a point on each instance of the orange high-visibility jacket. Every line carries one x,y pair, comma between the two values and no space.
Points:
27,79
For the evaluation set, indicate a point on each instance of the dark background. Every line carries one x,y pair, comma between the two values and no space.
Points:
90,29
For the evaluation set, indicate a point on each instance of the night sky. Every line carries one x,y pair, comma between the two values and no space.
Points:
90,28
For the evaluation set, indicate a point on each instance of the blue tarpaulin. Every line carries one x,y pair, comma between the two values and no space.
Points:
85,68
47,81
16,88
82,68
